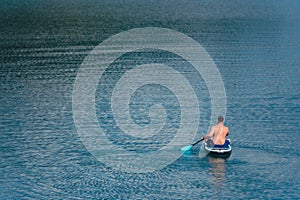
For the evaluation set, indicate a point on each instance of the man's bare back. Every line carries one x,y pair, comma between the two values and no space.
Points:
218,132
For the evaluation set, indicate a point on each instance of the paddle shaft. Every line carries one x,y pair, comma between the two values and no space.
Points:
187,148
198,141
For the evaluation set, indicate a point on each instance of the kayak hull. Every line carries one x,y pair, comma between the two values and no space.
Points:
218,152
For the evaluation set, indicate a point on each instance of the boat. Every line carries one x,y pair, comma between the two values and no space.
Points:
217,151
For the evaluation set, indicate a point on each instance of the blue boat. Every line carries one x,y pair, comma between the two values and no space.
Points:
217,151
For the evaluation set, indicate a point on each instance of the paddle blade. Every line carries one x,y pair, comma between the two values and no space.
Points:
186,148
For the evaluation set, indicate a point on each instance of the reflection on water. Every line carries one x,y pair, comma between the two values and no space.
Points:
217,171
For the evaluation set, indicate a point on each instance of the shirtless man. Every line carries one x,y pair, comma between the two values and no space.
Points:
218,132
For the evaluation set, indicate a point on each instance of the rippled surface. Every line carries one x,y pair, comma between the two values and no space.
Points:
257,53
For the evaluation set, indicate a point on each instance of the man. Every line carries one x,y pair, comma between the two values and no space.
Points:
218,133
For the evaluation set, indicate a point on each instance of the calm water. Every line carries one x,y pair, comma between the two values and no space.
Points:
255,47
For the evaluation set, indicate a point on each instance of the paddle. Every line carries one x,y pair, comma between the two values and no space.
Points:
187,148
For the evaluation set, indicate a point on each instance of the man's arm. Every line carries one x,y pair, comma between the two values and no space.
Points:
210,134
227,131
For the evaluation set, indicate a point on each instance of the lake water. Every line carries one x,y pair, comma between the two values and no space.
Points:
255,47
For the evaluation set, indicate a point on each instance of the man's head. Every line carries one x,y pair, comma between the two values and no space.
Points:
220,119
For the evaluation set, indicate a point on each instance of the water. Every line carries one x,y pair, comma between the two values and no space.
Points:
255,47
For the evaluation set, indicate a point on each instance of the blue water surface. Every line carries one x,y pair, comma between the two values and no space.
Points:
255,45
